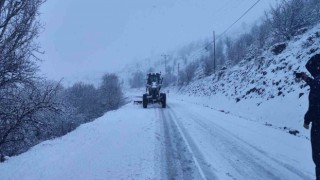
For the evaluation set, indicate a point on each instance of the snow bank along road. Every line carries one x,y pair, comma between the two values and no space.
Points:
183,141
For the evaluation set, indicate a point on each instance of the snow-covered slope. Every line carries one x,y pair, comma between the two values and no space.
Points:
262,88
119,145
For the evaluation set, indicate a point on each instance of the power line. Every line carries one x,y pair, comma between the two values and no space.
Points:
217,12
238,19
227,4
227,29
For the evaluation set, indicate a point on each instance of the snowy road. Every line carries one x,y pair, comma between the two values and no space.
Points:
183,141
223,147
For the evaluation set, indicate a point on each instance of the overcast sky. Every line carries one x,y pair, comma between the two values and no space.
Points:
87,37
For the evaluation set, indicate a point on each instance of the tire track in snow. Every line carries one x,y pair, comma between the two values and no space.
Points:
180,160
242,152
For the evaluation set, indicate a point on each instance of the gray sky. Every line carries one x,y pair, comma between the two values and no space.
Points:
87,37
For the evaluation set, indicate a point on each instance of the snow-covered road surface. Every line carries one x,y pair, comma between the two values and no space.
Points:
183,141
231,148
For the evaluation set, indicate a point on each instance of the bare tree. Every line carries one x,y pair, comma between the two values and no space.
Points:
220,56
85,99
21,114
169,77
111,95
261,33
287,18
182,78
18,29
137,80
230,49
208,65
314,11
24,98
190,71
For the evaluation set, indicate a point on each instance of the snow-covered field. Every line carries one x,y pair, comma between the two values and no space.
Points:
184,141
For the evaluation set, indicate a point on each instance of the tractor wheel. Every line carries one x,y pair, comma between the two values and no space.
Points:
145,101
164,100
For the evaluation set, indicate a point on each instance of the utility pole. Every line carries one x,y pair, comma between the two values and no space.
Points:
214,52
178,73
165,61
178,68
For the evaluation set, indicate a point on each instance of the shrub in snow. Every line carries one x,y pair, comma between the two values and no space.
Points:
293,132
137,80
110,92
278,17
278,48
85,99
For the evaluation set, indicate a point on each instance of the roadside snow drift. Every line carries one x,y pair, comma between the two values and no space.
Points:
119,145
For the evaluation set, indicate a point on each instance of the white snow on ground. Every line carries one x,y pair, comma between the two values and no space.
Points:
183,141
243,149
284,113
119,145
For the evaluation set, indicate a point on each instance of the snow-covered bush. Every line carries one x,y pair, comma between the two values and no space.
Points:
137,80
190,71
169,78
110,92
288,17
85,99
24,115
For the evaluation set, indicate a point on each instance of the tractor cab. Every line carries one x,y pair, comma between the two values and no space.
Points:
154,78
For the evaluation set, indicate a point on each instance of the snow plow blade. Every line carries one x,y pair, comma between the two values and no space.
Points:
137,102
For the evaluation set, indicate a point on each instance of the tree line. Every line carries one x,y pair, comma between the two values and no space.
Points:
32,108
281,23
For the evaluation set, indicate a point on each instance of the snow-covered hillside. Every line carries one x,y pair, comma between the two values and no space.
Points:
262,88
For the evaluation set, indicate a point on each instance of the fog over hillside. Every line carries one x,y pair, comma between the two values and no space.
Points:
84,40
